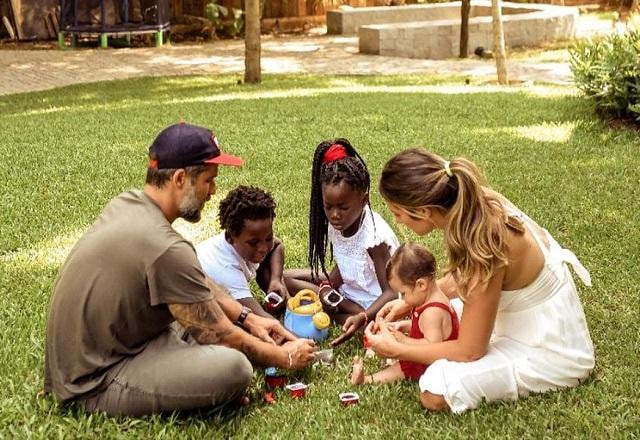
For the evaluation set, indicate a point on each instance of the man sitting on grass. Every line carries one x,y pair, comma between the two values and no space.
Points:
112,344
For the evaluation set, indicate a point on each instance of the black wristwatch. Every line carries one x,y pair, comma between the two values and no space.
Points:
243,316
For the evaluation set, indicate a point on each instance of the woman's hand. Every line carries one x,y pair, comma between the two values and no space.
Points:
383,341
393,310
267,329
351,325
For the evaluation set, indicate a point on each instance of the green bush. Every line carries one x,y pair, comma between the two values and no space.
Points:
225,22
608,71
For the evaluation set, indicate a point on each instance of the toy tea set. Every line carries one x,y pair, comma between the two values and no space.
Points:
304,318
303,315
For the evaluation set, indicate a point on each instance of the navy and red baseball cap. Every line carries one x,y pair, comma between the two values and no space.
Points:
184,145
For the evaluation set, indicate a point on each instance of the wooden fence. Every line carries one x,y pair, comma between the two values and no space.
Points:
272,8
302,8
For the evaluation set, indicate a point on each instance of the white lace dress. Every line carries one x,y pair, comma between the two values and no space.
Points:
540,340
360,283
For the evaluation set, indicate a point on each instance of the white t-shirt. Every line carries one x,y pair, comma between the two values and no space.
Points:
222,263
360,282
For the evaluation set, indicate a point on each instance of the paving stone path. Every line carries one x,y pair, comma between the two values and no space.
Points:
32,70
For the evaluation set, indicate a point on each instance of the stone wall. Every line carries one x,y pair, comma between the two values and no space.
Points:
524,25
347,21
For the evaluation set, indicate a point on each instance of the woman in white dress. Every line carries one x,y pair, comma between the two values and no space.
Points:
523,329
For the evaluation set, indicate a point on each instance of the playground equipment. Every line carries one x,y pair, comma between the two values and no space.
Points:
106,18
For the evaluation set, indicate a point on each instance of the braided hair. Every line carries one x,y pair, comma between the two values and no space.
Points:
245,203
350,168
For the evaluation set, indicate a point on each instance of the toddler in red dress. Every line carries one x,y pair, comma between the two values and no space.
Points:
411,272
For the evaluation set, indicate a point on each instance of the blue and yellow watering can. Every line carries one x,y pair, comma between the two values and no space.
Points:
304,316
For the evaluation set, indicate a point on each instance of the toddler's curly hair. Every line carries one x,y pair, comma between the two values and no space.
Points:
245,203
410,262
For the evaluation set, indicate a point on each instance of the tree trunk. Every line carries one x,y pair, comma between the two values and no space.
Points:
252,70
498,42
464,28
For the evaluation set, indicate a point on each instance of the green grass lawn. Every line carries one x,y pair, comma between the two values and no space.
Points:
65,153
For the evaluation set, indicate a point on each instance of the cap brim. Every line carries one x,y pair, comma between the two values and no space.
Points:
226,159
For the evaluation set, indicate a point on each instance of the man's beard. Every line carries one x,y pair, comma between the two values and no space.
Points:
190,206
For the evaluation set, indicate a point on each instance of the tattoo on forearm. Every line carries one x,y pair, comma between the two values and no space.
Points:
201,320
256,356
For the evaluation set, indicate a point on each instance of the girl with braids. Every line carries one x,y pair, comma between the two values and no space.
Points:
246,248
523,329
361,242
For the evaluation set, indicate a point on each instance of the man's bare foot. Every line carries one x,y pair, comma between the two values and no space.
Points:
357,374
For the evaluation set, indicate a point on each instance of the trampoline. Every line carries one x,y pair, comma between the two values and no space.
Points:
104,18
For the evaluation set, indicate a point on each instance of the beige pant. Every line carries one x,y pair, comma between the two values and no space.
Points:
173,374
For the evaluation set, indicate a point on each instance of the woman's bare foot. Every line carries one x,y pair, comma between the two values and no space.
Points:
357,374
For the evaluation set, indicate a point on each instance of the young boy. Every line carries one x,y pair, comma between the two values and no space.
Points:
246,248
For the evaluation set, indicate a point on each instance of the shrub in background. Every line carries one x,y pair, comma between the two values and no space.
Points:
608,71
225,21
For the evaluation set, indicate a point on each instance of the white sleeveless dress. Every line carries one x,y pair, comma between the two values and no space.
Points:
540,340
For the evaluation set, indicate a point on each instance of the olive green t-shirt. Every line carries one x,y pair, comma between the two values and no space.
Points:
110,298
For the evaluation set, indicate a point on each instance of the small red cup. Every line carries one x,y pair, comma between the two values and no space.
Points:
297,390
330,296
275,381
273,301
348,399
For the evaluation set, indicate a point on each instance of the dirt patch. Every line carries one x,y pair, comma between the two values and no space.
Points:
619,123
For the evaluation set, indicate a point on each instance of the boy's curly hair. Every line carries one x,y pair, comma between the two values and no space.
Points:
245,203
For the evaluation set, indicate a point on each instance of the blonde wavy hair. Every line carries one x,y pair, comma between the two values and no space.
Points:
477,220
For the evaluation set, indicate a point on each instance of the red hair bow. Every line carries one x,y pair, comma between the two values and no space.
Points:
334,152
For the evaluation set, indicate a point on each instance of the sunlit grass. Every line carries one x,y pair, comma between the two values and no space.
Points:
339,87
65,153
556,133
50,252
547,132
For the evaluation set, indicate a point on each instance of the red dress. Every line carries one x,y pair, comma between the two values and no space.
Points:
413,370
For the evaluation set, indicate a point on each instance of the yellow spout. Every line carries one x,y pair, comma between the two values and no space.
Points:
321,320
